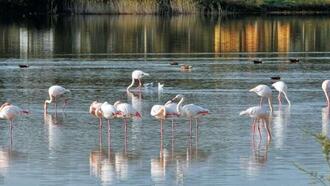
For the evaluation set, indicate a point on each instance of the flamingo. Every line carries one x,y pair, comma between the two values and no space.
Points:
125,111
95,110
109,112
159,112
10,112
191,111
162,112
258,114
137,75
55,92
282,88
264,92
326,89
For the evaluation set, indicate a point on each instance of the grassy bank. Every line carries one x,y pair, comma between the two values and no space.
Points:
164,7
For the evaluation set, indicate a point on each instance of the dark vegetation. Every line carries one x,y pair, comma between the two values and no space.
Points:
163,7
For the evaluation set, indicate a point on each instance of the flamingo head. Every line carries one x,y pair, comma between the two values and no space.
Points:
117,103
179,96
145,74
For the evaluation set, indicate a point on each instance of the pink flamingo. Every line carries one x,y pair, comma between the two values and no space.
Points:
95,110
137,75
191,111
55,92
10,112
258,114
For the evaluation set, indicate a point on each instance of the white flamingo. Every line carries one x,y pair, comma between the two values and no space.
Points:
258,114
191,111
95,110
125,111
162,112
10,112
282,88
137,75
326,89
55,92
264,92
159,112
109,112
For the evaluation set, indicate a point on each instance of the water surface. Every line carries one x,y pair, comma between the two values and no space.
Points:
94,56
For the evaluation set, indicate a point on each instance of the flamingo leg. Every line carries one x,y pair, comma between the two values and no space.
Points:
253,126
196,130
100,123
109,132
172,128
161,139
11,129
258,124
190,128
140,83
55,104
125,149
268,130
279,98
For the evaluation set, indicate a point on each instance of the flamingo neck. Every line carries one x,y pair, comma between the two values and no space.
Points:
287,99
133,81
47,102
179,106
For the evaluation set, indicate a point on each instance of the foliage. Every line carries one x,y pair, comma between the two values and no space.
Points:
325,144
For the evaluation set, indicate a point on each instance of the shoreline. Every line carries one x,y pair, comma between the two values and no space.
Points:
167,8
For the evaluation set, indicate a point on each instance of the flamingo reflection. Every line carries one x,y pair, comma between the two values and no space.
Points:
280,121
180,160
109,165
255,163
102,164
54,123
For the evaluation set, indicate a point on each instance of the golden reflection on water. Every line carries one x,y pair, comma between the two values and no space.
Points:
151,34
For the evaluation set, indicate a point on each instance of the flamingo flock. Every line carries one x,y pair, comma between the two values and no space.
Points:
172,109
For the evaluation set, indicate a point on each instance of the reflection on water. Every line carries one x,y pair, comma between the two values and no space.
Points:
54,124
108,165
92,56
86,35
254,165
281,119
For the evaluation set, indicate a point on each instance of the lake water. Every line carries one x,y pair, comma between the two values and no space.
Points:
94,56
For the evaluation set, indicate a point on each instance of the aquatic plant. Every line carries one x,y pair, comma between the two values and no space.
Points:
325,144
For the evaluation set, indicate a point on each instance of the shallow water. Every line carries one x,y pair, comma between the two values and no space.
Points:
94,56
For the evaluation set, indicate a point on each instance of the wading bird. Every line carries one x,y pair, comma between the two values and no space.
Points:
125,111
326,89
10,112
191,111
95,110
109,112
259,115
264,92
137,75
55,92
282,88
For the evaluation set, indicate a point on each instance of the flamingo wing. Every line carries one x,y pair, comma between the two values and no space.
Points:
108,110
192,110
